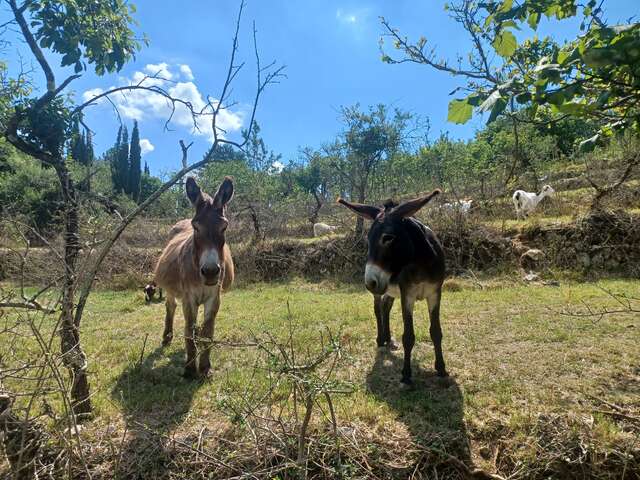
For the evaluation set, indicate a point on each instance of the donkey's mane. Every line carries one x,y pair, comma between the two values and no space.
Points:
389,204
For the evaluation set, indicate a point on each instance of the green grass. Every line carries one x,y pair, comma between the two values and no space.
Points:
513,358
512,224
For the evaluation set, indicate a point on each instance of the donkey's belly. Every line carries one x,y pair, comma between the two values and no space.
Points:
420,291
393,290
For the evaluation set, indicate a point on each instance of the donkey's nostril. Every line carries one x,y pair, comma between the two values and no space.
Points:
372,283
210,271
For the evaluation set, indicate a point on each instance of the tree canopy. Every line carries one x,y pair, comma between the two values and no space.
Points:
594,76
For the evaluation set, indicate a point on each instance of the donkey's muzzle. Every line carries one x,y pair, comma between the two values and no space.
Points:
376,279
210,274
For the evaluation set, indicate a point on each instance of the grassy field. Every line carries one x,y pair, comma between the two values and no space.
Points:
532,392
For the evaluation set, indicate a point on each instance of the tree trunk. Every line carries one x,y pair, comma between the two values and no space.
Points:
360,221
315,213
73,356
22,439
255,219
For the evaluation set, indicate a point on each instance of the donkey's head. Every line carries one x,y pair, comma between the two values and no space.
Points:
390,245
209,226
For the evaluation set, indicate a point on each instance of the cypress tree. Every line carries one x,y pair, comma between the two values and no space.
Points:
88,158
114,162
134,164
146,168
123,162
75,145
89,155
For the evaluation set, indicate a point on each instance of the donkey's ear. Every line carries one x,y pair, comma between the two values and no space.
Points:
411,207
367,211
193,191
224,193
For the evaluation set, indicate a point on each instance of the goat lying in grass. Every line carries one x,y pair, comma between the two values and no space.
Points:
526,202
462,206
150,290
320,229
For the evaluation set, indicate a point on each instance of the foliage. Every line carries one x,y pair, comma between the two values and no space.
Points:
28,190
148,185
133,184
46,128
256,173
81,145
594,76
96,32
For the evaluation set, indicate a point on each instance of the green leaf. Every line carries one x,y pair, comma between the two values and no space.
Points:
533,20
597,57
573,108
505,44
506,6
556,98
497,109
459,111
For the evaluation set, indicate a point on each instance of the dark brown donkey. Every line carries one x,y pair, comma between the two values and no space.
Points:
405,260
195,266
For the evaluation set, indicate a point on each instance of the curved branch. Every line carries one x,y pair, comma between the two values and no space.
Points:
33,45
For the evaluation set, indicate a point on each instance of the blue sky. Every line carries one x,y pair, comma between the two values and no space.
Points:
330,49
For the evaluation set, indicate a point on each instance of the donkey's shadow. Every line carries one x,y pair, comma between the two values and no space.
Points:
155,399
432,409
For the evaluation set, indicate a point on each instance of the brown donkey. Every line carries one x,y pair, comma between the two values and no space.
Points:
405,260
195,266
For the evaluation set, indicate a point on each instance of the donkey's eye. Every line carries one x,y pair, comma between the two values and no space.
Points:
387,238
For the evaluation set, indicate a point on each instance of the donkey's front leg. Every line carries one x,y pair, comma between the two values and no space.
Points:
382,307
211,307
170,306
408,337
377,309
190,312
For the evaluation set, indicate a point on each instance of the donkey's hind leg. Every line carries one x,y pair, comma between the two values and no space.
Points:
435,330
170,305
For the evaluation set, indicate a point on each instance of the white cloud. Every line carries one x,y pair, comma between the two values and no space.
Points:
277,166
145,105
160,70
146,146
346,17
185,70
89,94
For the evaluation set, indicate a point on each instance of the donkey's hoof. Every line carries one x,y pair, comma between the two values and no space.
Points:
442,372
406,384
166,341
190,373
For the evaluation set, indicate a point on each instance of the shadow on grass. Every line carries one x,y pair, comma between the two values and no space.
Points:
432,409
155,399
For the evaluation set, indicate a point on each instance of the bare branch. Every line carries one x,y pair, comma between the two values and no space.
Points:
27,305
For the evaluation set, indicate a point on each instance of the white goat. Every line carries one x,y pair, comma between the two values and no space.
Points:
526,202
320,229
462,206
